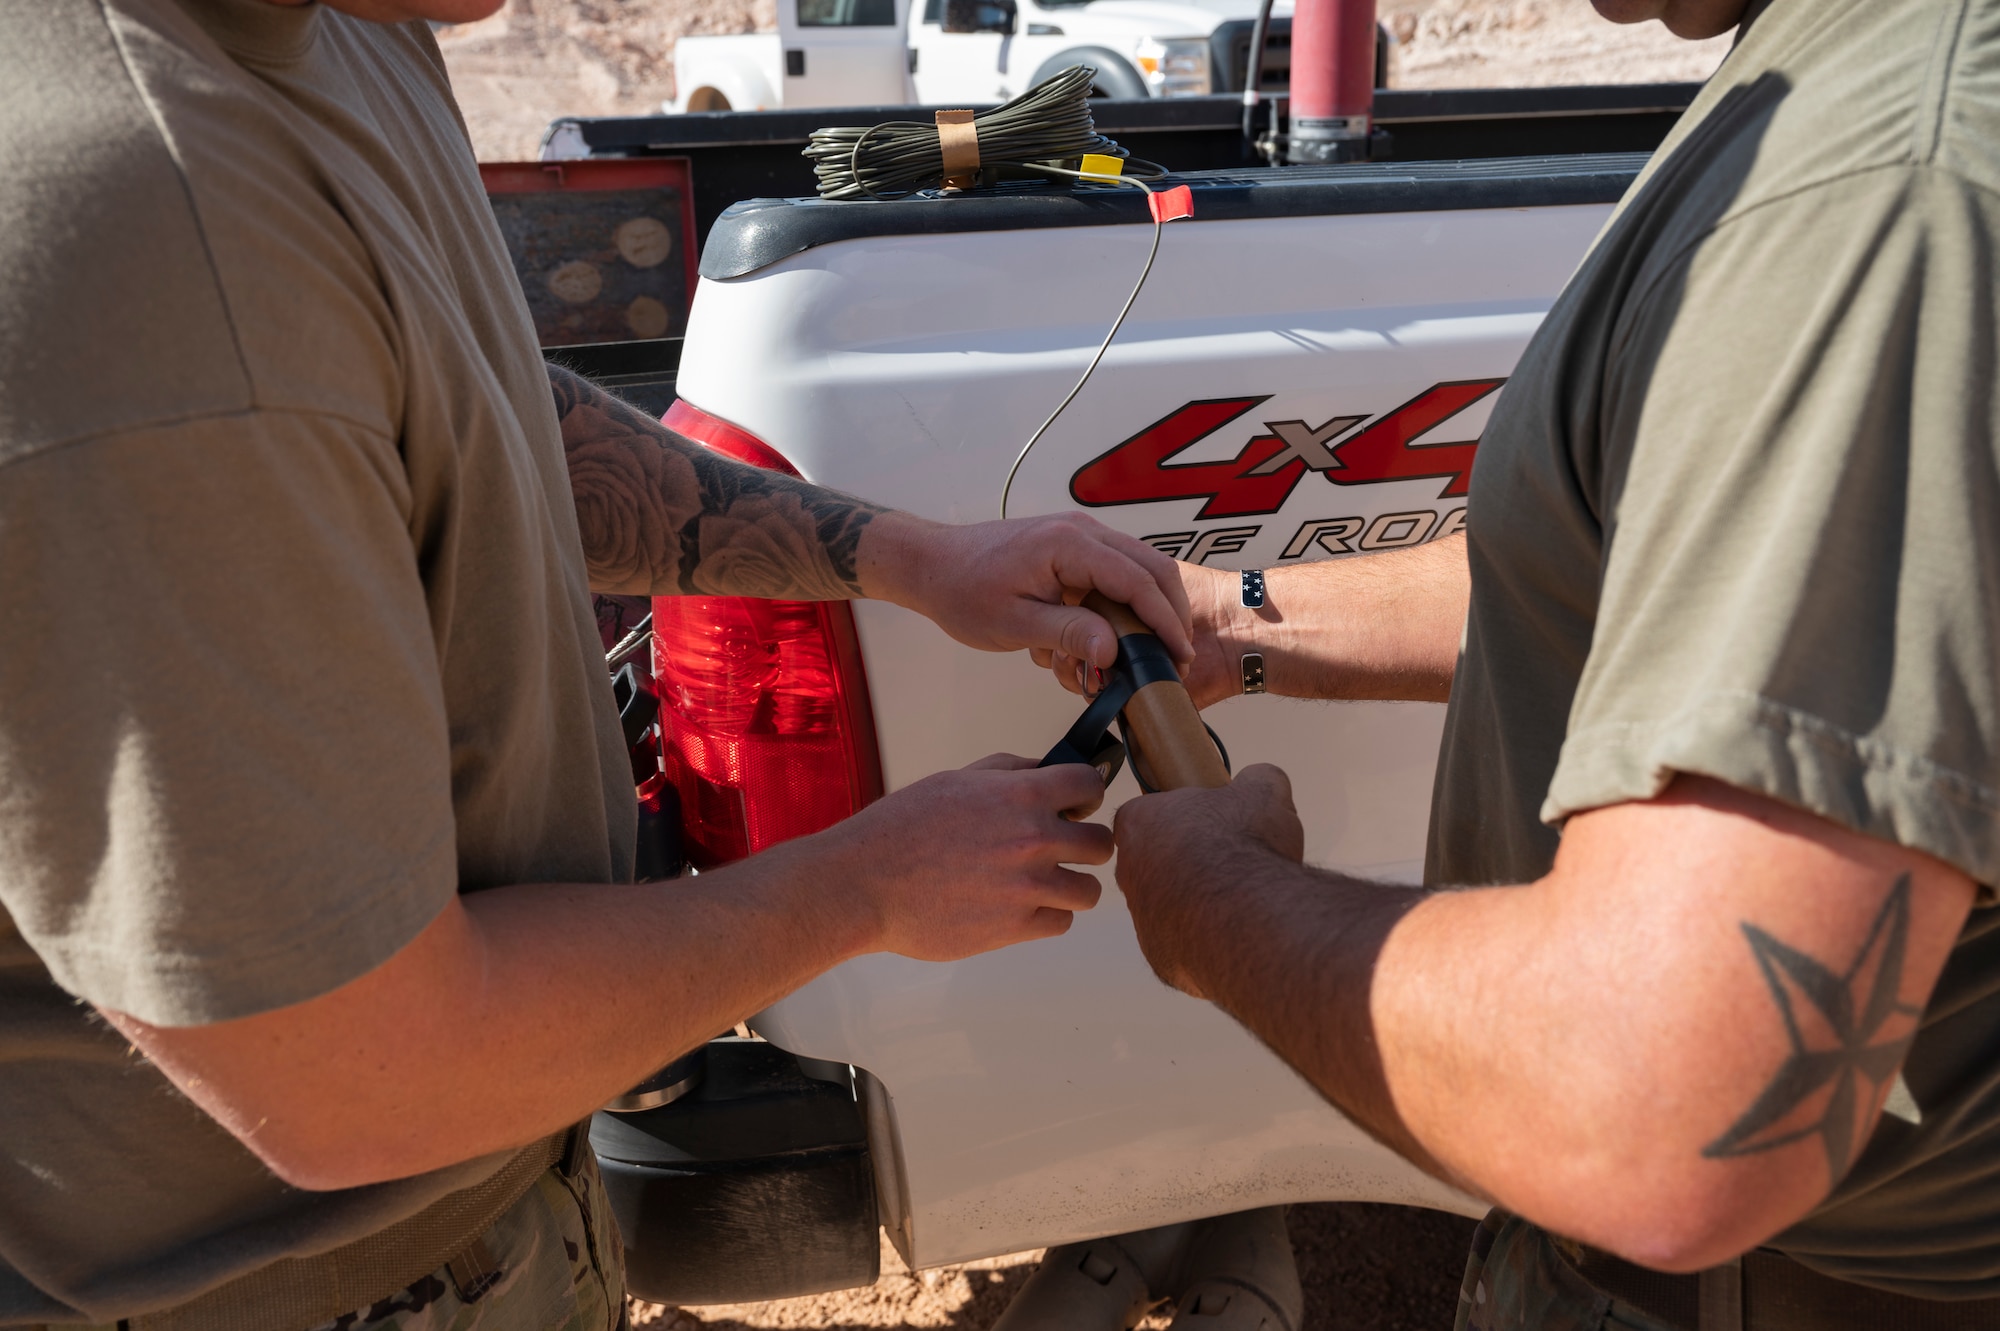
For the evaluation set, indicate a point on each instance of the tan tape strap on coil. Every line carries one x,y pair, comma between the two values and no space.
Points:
958,144
299,1292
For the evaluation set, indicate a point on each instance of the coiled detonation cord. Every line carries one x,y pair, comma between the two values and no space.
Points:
1043,131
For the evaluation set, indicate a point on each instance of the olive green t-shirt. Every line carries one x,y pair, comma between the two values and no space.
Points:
295,637
1738,514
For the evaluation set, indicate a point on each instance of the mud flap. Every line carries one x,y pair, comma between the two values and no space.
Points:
755,1185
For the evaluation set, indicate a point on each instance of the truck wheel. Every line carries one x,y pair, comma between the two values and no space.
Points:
707,99
1115,76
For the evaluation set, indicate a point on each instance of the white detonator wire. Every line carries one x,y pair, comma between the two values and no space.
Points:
1158,226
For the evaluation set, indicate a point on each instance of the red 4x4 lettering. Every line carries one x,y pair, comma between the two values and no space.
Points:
1261,477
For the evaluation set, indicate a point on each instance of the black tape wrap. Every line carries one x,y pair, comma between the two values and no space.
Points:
1142,660
1089,741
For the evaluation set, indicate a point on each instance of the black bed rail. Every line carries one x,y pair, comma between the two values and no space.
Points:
755,154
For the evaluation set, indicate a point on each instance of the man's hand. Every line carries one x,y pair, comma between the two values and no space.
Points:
967,861
1224,629
1183,852
1003,586
1220,631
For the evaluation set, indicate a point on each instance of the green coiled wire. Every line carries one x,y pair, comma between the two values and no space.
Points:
1044,130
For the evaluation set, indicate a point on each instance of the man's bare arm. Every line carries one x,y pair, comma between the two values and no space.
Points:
521,1009
1672,1046
1383,626
662,516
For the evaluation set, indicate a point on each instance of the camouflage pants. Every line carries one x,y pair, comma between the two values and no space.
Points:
552,1263
1517,1279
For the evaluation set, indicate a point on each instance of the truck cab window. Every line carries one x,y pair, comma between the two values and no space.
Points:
847,13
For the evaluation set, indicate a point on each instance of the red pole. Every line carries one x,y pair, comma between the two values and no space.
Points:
1333,80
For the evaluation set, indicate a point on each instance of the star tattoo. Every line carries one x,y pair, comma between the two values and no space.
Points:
1835,1022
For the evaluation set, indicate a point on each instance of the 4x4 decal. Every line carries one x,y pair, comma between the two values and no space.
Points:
1262,476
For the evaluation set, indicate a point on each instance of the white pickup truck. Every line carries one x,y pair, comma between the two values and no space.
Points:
887,52
904,351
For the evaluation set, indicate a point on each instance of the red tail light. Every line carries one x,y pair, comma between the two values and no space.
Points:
764,712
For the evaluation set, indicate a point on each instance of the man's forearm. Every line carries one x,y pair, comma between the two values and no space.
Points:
518,1011
1671,1046
1381,626
661,515
521,1009
1274,939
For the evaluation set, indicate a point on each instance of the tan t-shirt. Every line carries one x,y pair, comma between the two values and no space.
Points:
1738,514
295,638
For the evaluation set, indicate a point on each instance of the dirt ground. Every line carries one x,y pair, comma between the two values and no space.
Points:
1364,1268
538,59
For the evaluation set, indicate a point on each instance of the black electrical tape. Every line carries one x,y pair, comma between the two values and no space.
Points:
1085,741
1142,660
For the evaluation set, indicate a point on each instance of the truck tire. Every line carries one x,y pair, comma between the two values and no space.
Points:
1115,76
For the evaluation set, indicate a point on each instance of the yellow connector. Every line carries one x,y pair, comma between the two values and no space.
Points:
1099,164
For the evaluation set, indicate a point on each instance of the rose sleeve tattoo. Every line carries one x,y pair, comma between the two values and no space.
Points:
660,514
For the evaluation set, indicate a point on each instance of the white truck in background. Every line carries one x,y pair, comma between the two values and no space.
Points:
892,52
